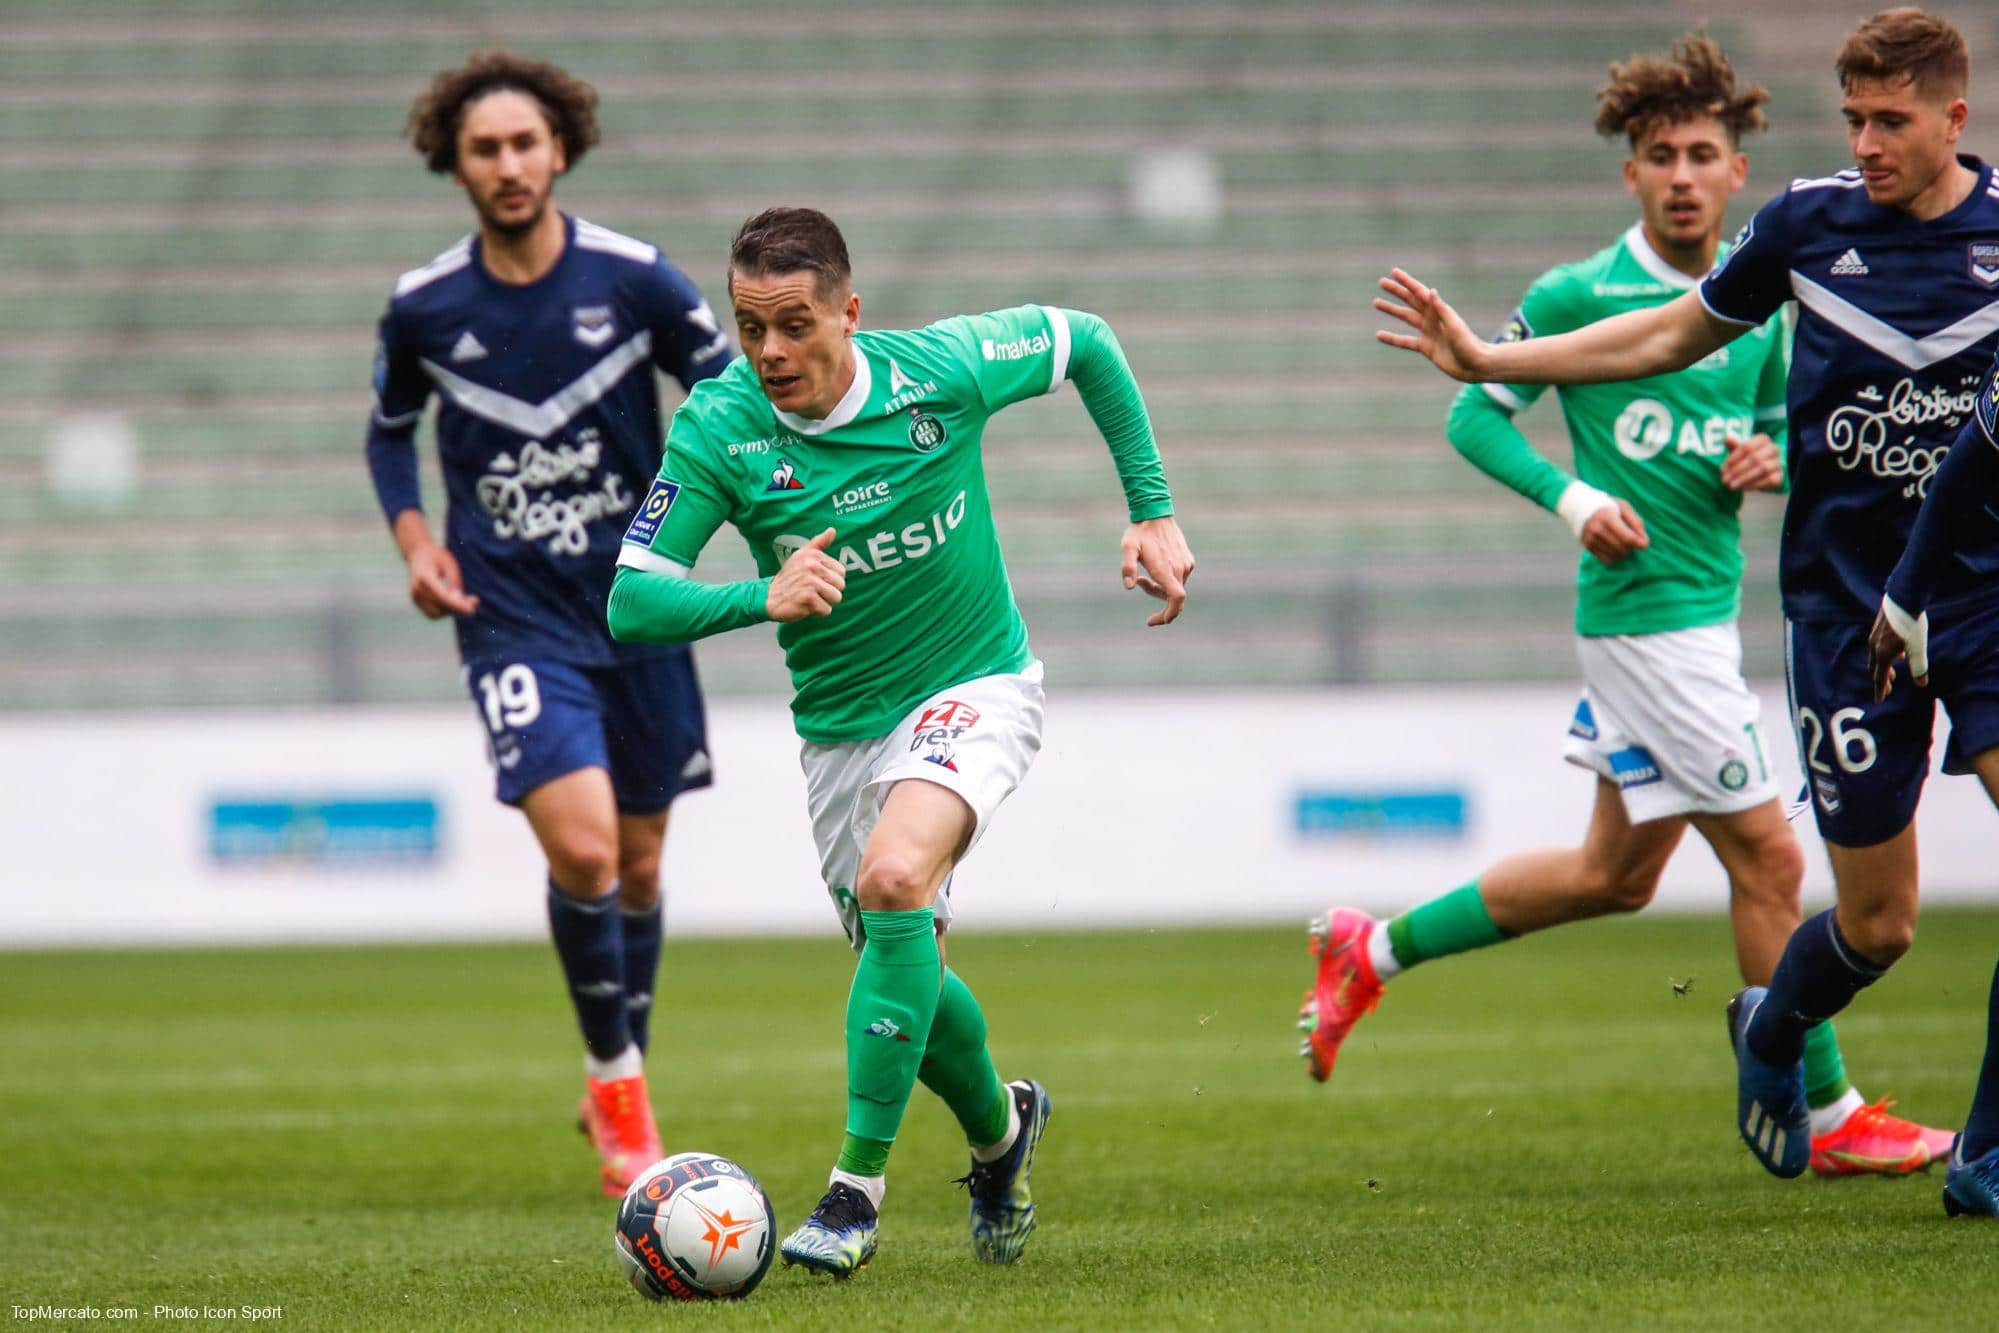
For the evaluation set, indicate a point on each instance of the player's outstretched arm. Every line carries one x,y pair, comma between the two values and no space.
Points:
662,605
1652,341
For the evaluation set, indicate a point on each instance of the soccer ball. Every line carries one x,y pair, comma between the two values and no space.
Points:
695,1227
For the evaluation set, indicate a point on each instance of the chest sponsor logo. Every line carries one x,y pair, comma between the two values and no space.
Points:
1985,261
859,499
890,547
784,477
926,432
521,496
1882,432
593,326
1645,428
658,504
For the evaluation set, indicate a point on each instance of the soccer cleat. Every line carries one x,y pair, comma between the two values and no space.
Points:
1770,1111
1873,1142
1971,1189
1345,988
1002,1207
839,1237
616,1116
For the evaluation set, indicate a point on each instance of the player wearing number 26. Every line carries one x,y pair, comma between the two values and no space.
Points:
540,333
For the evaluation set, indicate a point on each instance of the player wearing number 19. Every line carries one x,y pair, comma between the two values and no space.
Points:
540,333
851,463
1666,723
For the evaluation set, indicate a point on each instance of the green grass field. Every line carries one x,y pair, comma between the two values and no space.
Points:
1535,1136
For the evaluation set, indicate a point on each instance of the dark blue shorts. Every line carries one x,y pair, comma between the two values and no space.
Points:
1864,762
642,723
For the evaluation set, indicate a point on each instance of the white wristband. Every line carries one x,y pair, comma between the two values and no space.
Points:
1915,632
1579,501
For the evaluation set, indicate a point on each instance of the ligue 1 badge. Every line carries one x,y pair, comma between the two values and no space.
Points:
926,432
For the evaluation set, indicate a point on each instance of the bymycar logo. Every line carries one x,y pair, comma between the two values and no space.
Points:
1015,349
885,550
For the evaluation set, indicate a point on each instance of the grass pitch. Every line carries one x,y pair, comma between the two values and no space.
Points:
1534,1136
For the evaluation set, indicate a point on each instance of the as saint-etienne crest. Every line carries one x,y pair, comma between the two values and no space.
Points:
926,432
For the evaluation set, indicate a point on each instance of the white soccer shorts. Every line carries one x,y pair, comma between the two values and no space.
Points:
1668,718
977,739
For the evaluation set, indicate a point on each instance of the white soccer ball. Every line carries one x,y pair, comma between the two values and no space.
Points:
695,1227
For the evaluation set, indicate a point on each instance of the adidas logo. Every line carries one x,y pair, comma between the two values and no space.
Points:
469,348
1849,265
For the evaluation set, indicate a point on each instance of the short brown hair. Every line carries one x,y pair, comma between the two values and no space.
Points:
791,240
569,103
1693,79
1906,43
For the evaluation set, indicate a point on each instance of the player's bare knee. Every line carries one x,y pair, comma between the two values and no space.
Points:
584,864
638,881
892,884
1883,936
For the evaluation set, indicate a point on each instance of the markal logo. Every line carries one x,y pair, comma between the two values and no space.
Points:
784,477
885,1027
926,432
1016,349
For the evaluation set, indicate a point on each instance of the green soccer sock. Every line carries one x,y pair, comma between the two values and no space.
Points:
1825,1071
958,1067
889,1013
1454,923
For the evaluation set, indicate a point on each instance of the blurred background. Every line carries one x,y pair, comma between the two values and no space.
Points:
203,205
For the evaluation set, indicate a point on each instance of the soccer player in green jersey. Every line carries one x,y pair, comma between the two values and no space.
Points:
850,462
1665,722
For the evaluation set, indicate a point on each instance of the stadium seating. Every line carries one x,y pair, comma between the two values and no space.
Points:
203,214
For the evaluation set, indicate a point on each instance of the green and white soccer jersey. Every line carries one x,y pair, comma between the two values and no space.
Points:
896,470
1657,443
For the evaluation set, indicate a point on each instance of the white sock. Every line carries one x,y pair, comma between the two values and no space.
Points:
1825,1119
992,1152
1380,953
627,1064
872,1186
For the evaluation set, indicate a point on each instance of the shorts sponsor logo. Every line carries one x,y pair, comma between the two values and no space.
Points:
594,326
926,432
1583,725
1985,261
938,729
1634,767
784,477
1734,775
658,504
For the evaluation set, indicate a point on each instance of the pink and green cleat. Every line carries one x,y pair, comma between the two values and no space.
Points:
1344,989
1871,1142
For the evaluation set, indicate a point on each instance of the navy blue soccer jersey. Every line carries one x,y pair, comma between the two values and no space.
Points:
548,426
1897,320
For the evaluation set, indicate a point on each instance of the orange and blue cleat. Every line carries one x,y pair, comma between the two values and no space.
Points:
1344,989
616,1116
1871,1142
